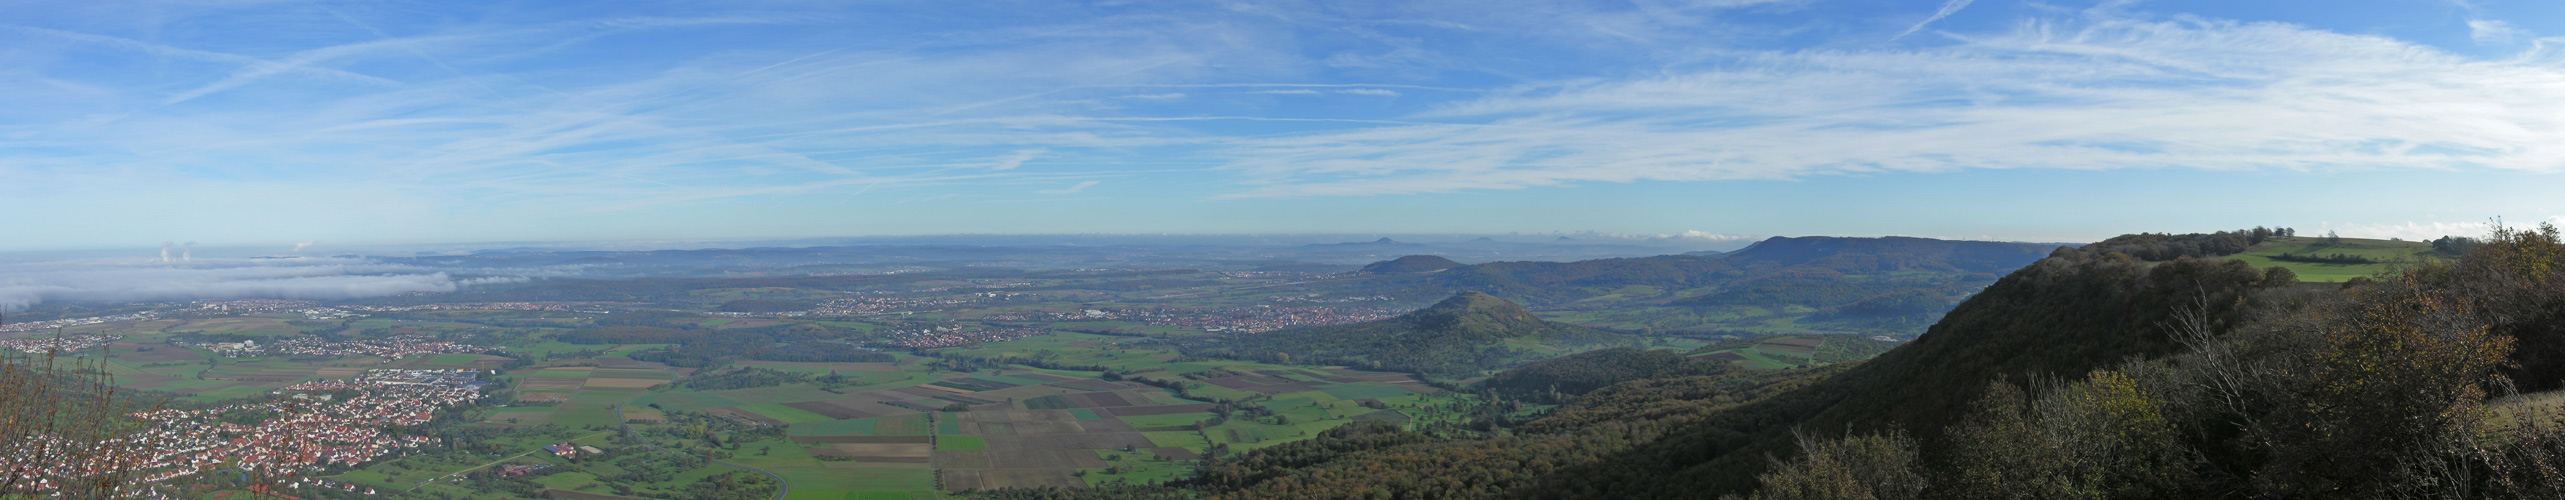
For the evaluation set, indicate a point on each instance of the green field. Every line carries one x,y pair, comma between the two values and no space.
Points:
1053,424
961,443
2389,254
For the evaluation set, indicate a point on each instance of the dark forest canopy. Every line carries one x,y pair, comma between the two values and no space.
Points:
2163,247
1560,379
1411,264
1894,253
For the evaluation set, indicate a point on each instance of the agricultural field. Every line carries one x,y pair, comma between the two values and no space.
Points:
2387,254
1020,397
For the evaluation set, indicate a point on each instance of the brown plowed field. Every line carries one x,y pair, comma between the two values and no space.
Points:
1092,385
1025,392
922,392
1032,478
551,384
625,383
961,459
1046,459
969,400
964,480
832,409
1097,400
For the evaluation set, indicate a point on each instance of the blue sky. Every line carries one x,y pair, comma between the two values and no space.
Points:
256,123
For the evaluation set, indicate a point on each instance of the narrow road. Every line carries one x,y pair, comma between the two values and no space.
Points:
781,487
424,482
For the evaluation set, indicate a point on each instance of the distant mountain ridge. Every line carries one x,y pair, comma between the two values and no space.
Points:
1411,264
1841,284
1893,253
1670,433
1462,335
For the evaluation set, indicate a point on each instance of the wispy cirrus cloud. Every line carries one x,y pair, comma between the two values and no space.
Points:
287,122
1081,186
2106,93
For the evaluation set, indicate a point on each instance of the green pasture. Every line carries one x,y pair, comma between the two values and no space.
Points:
961,443
1137,468
2390,255
787,414
1177,439
788,393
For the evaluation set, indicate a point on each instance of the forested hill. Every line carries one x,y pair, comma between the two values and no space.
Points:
1692,435
1894,253
1411,264
2130,370
1460,336
1555,282
1860,267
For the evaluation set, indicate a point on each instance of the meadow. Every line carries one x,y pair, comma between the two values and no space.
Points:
2387,254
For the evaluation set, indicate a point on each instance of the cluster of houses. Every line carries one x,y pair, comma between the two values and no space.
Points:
252,306
869,306
29,326
952,335
578,307
308,432
395,347
66,343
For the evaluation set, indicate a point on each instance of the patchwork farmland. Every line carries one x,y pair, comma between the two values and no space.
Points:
573,417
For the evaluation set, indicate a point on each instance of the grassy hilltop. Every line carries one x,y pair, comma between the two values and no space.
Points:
2386,254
